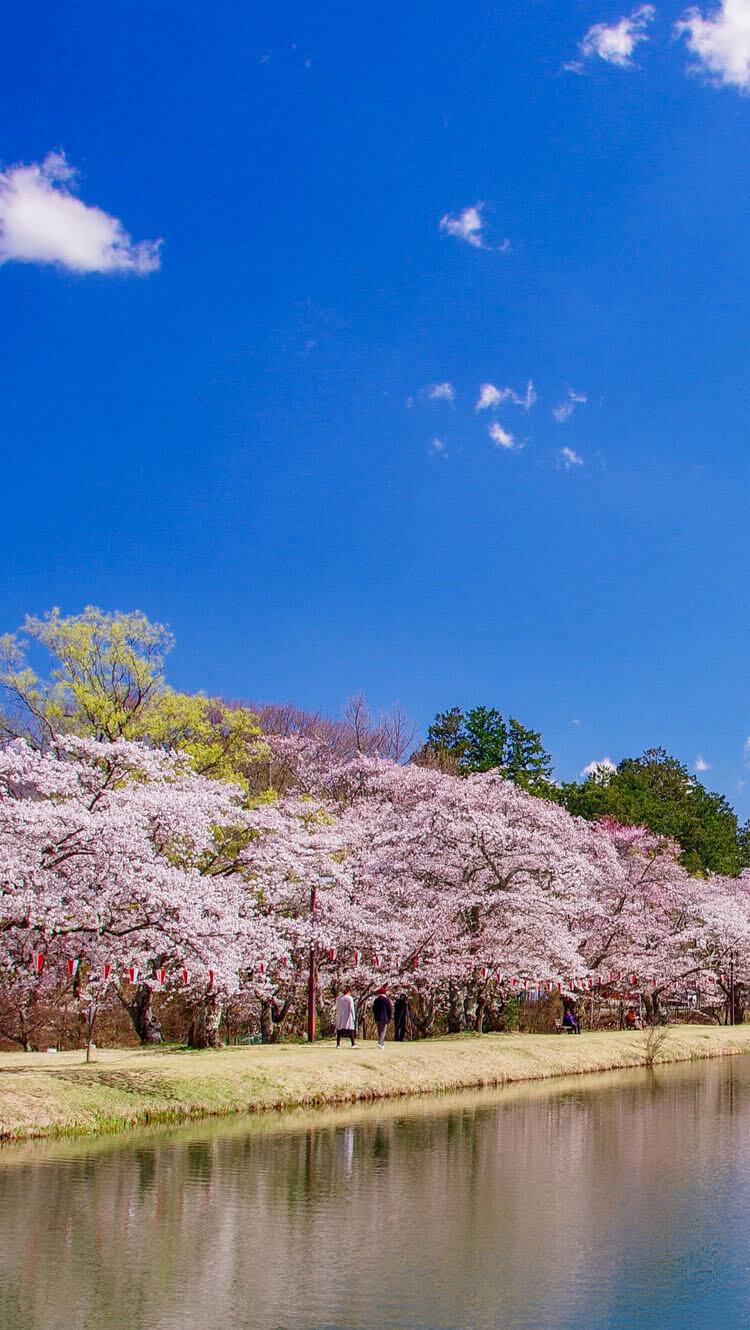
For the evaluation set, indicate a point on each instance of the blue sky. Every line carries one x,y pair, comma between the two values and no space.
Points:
265,429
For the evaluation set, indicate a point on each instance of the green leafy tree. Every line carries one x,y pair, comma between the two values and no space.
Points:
658,791
106,680
526,760
446,744
486,740
481,740
104,670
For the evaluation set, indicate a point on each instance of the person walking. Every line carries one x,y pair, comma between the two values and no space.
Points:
346,1017
382,1010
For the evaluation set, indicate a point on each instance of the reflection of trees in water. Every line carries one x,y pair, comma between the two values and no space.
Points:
265,1230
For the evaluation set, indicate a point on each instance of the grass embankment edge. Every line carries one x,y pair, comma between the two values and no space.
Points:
53,1095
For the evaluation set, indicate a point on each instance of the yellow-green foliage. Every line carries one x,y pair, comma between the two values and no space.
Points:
107,680
223,742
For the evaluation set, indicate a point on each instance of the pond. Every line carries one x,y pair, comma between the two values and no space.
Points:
608,1201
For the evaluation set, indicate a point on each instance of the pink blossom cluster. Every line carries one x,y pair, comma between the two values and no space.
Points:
120,864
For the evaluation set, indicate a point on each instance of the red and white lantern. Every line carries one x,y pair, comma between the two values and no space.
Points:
376,960
357,957
37,961
185,975
73,967
107,972
332,953
133,974
160,976
211,974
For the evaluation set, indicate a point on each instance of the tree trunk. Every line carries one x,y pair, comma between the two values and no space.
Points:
145,1022
266,1021
204,1027
455,1010
651,1005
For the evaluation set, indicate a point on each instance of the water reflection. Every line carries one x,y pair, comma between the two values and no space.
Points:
606,1202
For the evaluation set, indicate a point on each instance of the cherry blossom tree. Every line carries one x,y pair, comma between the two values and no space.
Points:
121,857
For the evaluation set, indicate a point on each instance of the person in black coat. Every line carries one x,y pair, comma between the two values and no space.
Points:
401,1017
382,1010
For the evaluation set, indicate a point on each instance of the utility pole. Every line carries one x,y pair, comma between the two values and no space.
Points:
311,980
311,985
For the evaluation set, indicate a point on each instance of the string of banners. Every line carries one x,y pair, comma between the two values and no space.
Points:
612,980
132,973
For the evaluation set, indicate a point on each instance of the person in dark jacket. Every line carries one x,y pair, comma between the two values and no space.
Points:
401,1017
382,1011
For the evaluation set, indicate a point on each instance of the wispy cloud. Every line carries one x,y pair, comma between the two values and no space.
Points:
469,225
568,458
615,42
746,749
701,764
721,42
440,392
600,770
41,221
565,410
438,446
502,438
491,397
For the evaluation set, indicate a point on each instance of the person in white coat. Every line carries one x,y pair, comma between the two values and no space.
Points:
346,1017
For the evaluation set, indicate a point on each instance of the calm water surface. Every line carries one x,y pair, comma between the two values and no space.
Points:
617,1201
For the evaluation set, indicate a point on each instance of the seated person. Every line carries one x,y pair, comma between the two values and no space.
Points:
570,1022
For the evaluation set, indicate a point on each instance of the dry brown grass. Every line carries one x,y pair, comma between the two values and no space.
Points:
55,1093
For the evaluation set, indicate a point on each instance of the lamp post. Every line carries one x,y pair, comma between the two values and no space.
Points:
322,881
731,988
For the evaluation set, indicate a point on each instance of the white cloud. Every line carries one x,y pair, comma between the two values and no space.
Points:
569,458
600,770
701,764
529,399
468,225
501,437
616,42
747,750
721,42
490,396
41,221
565,410
440,392
438,446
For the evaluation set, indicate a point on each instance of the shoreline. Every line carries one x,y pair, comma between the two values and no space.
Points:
48,1095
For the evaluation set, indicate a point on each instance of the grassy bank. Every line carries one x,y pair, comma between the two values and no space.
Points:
46,1094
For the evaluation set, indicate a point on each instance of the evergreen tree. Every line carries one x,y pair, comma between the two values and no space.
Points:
482,740
657,791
